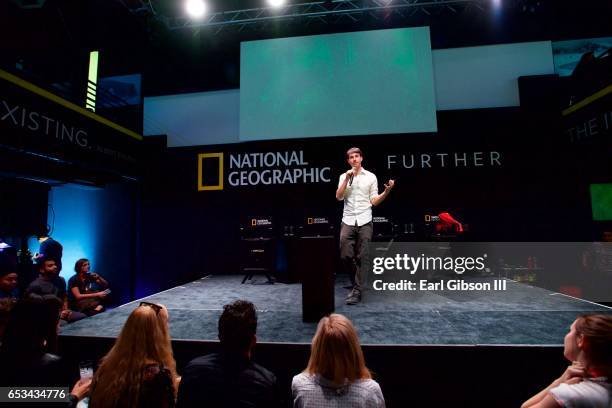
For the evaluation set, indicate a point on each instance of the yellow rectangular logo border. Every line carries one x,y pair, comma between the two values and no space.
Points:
201,158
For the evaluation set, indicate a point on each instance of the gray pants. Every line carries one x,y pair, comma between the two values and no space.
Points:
354,243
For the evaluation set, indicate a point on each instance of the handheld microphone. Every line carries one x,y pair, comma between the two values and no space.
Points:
351,179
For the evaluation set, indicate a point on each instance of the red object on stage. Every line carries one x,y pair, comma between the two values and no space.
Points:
448,223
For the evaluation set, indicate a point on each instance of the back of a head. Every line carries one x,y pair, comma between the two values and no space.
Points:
143,339
144,328
237,326
32,327
336,353
42,233
597,329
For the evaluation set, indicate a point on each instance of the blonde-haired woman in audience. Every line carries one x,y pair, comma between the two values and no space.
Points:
336,375
587,382
139,371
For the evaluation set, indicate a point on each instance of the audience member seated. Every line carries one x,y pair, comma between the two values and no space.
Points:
30,339
336,375
139,371
6,305
50,283
230,378
8,285
86,291
585,383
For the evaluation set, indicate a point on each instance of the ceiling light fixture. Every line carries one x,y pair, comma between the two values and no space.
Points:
276,3
195,8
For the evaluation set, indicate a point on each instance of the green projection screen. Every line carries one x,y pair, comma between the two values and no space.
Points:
601,202
369,82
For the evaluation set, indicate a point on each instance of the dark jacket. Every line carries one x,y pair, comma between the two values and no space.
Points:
46,370
220,380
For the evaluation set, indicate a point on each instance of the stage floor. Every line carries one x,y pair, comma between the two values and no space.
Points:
521,315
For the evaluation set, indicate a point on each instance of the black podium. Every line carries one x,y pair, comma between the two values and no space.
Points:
316,260
257,248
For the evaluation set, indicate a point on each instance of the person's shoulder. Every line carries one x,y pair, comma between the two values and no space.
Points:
367,383
52,363
72,280
204,361
367,387
36,284
54,242
370,391
202,366
303,376
594,393
60,280
302,379
157,387
39,279
50,359
157,374
368,173
263,373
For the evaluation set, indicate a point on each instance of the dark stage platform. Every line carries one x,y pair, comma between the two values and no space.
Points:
521,315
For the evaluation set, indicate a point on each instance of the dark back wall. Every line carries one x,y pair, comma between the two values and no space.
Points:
99,224
536,190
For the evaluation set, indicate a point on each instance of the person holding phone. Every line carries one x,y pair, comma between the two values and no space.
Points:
28,350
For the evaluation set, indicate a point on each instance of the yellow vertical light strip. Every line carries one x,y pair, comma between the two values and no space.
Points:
92,84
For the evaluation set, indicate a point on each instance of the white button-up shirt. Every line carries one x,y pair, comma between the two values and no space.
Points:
357,196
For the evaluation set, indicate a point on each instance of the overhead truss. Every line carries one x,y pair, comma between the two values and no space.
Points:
326,12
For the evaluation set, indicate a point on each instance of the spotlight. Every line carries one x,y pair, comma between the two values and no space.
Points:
195,8
276,3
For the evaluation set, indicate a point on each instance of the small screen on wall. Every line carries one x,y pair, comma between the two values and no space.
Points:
601,202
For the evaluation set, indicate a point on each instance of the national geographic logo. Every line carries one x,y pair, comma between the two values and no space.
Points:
210,171
260,222
317,220
258,168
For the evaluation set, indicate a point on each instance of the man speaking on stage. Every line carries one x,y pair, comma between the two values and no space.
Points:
359,190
